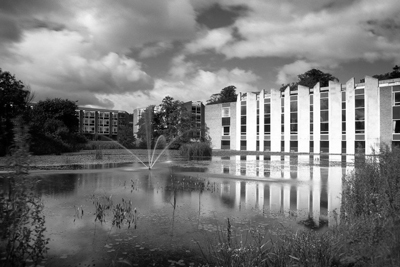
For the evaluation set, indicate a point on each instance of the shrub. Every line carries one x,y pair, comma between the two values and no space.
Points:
22,224
197,151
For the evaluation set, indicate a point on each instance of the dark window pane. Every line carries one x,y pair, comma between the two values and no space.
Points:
343,105
311,99
293,117
396,126
311,128
243,110
324,116
324,104
324,146
293,106
343,96
243,145
293,146
226,121
226,130
343,115
311,108
324,127
282,128
359,101
225,144
267,145
396,113
267,120
267,129
311,116
267,108
360,114
283,118
360,127
258,129
293,128
243,120
243,129
343,127
397,99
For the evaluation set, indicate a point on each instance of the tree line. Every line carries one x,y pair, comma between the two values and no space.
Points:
53,124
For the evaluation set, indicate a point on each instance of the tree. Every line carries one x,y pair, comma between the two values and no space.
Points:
390,75
170,119
125,136
227,94
310,79
54,127
14,100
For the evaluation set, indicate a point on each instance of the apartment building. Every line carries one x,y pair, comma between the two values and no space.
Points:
102,122
338,119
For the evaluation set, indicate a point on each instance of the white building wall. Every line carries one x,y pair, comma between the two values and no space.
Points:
317,119
261,120
335,118
303,119
350,117
372,115
251,121
287,120
275,120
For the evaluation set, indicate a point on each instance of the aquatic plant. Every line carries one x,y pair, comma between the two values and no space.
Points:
22,223
196,151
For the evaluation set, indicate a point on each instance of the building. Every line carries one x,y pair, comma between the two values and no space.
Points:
196,110
102,122
341,118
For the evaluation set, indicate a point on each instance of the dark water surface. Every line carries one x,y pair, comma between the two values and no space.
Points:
178,205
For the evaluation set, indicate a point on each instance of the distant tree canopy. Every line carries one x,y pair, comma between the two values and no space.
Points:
227,94
387,76
171,120
14,99
54,127
310,79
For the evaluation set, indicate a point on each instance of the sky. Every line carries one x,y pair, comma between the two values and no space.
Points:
127,54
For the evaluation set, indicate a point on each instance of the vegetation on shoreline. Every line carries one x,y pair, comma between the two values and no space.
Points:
368,233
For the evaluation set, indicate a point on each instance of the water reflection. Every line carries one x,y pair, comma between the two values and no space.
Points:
175,203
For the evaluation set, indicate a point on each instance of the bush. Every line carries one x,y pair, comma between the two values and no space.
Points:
197,151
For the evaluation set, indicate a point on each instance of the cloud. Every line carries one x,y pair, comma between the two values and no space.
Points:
326,32
197,86
288,73
152,50
64,62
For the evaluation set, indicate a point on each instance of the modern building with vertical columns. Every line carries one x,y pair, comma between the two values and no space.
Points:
338,119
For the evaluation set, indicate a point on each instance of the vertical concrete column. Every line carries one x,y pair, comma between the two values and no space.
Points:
238,112
317,119
335,118
287,119
334,193
275,120
303,119
350,117
372,115
316,193
251,121
234,126
261,120
385,106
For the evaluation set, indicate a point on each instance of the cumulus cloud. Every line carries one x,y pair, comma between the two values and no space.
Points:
288,73
331,32
152,50
199,85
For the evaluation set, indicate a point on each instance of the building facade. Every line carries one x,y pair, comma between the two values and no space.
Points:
341,118
102,122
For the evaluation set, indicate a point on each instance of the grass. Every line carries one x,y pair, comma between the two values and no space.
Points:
368,235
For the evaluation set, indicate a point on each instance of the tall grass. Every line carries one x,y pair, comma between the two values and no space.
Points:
196,151
368,235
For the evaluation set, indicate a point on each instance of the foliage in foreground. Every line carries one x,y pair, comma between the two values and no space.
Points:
368,234
196,151
22,224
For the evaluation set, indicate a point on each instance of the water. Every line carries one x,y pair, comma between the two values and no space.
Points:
178,205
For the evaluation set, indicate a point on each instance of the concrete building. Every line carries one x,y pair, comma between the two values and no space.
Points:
340,118
102,122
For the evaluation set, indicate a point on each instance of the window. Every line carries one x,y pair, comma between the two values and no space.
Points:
343,112
243,145
243,120
324,113
267,118
225,144
396,111
226,112
311,114
293,114
359,111
226,130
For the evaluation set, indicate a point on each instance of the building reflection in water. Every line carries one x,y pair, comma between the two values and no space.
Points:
297,185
